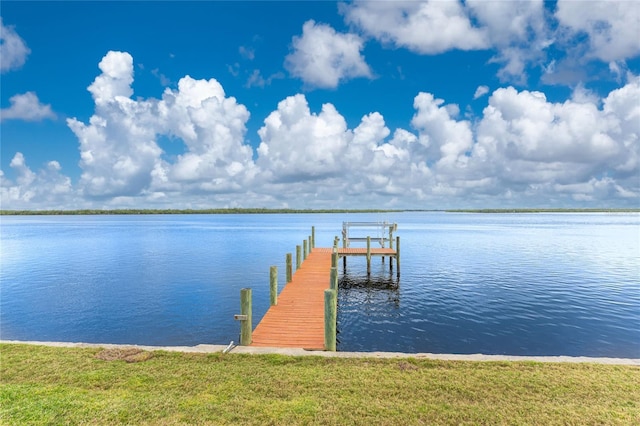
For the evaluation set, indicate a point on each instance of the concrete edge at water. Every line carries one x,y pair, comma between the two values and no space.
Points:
302,352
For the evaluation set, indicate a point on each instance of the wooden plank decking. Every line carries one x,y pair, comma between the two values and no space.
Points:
297,321
363,252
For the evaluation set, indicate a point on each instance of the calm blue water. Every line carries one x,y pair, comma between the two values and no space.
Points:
522,284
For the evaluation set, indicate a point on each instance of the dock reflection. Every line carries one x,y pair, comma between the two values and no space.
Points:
374,290
362,299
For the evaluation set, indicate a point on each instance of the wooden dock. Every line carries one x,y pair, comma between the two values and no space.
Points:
297,320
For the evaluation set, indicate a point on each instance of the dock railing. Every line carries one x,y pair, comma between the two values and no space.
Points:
381,232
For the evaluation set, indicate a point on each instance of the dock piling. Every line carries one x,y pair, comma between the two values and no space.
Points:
391,247
245,317
398,255
330,317
334,278
289,268
273,285
298,257
304,250
313,237
368,255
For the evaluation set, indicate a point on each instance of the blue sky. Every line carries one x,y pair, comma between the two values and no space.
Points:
320,104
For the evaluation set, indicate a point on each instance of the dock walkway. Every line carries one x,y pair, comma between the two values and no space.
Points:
297,321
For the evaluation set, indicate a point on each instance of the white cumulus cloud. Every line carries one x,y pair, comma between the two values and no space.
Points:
116,77
612,27
480,92
314,159
516,30
48,188
120,154
426,27
531,144
26,107
519,32
322,57
524,150
298,145
13,49
446,139
212,126
118,149
509,22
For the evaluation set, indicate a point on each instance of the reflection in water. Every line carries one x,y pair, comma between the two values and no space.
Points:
374,297
370,290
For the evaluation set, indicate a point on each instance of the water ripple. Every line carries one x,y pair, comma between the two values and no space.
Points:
504,284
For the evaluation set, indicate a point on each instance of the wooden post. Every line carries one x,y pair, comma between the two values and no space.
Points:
334,278
368,255
298,257
334,258
313,237
310,244
289,268
245,311
384,233
330,318
304,249
391,247
273,285
398,255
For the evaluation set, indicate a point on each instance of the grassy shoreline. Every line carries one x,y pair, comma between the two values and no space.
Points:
40,384
298,211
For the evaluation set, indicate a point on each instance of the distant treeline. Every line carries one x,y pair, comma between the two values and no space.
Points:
184,211
295,211
549,210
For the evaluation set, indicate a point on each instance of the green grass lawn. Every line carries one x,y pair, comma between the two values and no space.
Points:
47,385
